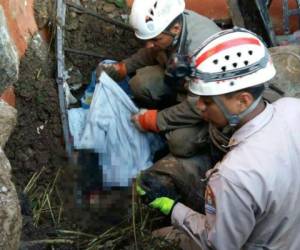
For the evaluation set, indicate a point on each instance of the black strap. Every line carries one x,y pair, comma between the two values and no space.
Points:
182,47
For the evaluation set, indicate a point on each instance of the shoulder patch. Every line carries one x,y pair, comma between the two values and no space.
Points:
210,201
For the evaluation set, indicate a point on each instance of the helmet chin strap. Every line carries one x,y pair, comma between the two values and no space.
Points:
175,39
234,120
179,40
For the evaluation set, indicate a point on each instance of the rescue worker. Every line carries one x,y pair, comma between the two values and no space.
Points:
171,34
253,192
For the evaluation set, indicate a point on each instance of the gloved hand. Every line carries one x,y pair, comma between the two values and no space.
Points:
146,120
156,195
116,71
164,204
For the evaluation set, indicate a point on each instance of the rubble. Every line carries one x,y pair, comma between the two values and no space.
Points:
287,63
9,60
8,120
10,214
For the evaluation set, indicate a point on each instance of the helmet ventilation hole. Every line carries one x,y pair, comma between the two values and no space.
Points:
152,12
250,52
148,19
246,63
155,4
231,83
223,68
227,57
234,65
239,54
215,61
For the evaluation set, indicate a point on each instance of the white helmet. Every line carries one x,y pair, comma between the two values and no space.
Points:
229,61
149,18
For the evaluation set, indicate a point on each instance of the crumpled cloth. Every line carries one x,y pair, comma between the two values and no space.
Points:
107,129
88,94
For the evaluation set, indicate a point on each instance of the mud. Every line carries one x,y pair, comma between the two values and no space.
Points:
37,141
87,33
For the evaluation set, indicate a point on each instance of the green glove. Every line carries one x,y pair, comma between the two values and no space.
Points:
157,197
164,204
139,190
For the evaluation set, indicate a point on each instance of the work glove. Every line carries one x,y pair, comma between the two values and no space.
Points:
154,194
116,71
146,120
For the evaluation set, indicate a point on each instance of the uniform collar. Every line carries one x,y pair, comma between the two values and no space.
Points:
252,126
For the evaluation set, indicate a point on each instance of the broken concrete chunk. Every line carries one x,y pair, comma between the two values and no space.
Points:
42,9
8,120
9,60
286,60
39,47
72,23
109,7
3,189
74,78
10,213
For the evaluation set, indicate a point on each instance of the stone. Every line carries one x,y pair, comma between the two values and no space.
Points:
72,24
286,60
125,18
100,6
73,14
112,15
109,7
42,8
8,120
9,60
82,18
77,2
39,47
75,78
108,29
10,212
3,189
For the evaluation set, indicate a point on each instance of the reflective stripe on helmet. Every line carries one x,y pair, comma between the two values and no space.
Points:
226,45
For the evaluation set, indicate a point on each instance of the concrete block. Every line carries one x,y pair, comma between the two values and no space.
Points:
10,212
8,120
9,60
286,60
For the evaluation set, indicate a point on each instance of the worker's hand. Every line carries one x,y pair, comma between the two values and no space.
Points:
109,69
164,204
136,120
116,71
146,120
155,195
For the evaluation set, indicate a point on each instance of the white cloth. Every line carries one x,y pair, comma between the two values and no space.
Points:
106,128
252,200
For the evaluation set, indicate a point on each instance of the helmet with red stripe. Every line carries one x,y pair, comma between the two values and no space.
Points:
229,61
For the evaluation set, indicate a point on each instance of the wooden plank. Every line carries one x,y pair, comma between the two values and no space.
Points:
235,13
60,79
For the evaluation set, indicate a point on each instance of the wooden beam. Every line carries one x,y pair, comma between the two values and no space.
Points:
235,13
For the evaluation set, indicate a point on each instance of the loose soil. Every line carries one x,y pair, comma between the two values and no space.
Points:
37,141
